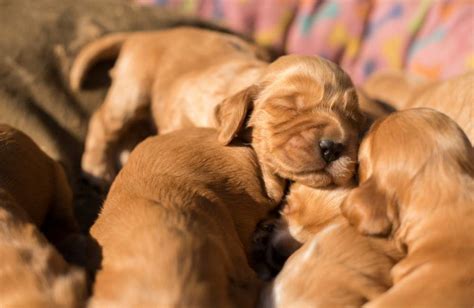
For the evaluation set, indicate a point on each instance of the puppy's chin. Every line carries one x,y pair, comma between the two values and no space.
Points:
339,172
315,179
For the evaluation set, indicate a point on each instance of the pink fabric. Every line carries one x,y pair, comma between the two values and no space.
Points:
430,38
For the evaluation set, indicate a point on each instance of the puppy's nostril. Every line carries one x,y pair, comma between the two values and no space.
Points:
330,150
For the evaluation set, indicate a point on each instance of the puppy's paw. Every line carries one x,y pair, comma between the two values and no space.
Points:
98,171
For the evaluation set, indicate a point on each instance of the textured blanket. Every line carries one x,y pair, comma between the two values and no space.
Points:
429,38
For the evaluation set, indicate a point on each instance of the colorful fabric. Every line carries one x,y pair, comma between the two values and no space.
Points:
430,38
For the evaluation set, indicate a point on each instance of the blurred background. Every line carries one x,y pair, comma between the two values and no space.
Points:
428,38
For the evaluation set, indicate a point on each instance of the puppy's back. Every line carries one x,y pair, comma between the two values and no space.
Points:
24,167
185,208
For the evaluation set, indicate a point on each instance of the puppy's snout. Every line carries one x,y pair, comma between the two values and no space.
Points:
330,150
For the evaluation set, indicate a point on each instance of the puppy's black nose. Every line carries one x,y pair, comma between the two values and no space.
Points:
330,150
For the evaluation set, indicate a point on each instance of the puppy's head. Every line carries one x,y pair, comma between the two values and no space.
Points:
304,119
410,155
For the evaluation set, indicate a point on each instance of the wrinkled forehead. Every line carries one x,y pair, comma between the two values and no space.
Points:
304,76
292,68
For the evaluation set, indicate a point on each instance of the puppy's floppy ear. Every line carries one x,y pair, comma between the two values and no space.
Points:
231,114
366,209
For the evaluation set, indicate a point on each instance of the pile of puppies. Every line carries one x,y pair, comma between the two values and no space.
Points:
189,221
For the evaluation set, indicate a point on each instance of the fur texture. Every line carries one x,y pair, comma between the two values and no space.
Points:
34,193
177,76
335,266
298,102
293,103
177,225
417,186
454,97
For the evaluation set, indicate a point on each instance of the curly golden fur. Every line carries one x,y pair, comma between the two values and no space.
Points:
335,266
417,186
299,102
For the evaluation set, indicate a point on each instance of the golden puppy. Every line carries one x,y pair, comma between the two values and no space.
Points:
177,75
336,266
454,97
304,123
177,224
393,87
305,115
416,172
34,190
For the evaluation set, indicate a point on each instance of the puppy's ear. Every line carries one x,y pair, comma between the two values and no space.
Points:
231,114
366,209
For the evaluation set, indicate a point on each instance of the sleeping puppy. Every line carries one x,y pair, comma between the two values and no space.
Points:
394,87
417,185
177,76
280,234
177,224
304,110
304,123
34,191
336,266
454,96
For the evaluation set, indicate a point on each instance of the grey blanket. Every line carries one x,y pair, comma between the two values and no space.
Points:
38,41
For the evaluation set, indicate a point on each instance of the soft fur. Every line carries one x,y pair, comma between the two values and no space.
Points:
336,266
417,185
34,193
294,103
177,75
454,97
177,225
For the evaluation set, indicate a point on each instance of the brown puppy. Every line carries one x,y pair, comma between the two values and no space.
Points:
393,87
177,75
34,189
305,123
417,184
177,224
305,120
454,97
336,266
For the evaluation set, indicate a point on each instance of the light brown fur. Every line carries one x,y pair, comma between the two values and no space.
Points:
417,185
177,225
177,76
336,266
295,102
454,97
298,102
34,191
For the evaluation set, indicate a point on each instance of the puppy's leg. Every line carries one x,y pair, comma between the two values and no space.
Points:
126,102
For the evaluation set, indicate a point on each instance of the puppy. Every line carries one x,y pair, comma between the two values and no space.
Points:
177,224
177,75
34,190
416,171
304,110
393,87
304,123
336,266
404,91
